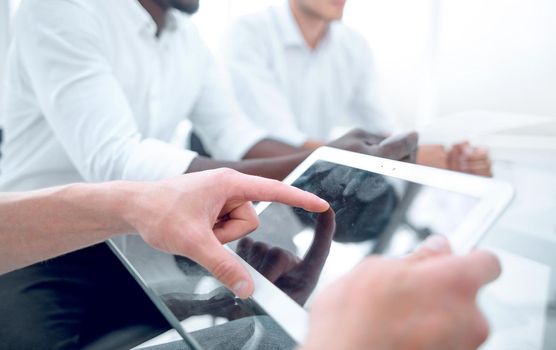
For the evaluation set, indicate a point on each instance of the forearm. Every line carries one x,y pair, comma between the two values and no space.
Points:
312,144
271,148
43,224
274,168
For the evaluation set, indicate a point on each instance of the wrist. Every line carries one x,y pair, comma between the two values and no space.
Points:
125,202
115,203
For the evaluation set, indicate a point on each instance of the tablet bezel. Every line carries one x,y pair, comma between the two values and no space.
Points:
493,197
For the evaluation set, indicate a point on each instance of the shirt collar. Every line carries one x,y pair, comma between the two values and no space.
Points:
291,34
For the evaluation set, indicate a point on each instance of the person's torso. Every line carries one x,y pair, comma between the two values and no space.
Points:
160,78
319,84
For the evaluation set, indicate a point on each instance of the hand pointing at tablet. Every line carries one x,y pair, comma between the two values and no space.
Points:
191,215
424,301
210,209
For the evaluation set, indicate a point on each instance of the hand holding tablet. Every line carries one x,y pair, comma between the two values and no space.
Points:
403,304
401,147
215,208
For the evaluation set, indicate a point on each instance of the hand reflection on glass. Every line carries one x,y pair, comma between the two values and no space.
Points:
363,201
295,277
217,303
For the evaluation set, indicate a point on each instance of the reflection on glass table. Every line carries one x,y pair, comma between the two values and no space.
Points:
205,314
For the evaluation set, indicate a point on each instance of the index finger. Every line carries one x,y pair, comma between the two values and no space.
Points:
255,188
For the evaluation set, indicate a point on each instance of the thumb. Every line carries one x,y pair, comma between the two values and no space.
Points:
225,267
434,245
399,146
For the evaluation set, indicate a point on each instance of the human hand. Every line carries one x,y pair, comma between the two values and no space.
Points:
424,301
433,156
398,147
195,214
465,158
295,277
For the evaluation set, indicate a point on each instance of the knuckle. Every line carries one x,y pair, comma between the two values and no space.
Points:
223,269
276,253
227,172
259,248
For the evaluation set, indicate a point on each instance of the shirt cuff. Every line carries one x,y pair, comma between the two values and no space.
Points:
153,160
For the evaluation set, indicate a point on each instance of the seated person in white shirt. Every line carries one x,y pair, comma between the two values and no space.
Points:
46,223
297,70
95,90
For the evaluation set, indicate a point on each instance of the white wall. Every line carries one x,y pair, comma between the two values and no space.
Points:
215,16
498,55
4,28
400,34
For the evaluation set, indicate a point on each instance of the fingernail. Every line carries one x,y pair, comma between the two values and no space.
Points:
240,289
437,243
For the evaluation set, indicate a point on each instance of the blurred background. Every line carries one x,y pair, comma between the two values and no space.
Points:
435,58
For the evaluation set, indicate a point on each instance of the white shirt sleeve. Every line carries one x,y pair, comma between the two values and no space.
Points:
64,57
366,109
256,88
226,132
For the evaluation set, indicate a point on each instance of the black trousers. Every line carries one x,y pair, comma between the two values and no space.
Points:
249,333
85,299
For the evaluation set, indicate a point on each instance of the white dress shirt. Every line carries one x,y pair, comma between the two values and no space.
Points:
93,95
297,93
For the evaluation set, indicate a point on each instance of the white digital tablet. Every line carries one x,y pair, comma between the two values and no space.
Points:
379,206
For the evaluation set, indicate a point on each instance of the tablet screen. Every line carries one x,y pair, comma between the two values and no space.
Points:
300,252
